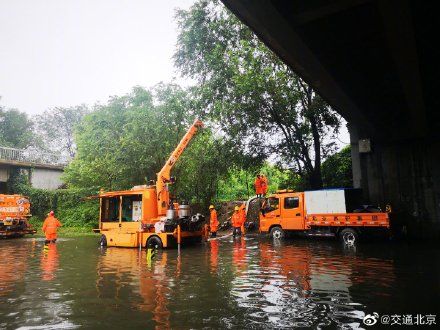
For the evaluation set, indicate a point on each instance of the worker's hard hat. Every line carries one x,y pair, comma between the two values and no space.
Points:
51,213
236,208
211,206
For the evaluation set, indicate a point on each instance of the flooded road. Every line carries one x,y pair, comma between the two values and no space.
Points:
246,283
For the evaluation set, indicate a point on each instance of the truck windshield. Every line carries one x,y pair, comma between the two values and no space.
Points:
131,208
270,204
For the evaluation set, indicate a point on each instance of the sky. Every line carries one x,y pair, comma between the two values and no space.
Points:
69,52
61,53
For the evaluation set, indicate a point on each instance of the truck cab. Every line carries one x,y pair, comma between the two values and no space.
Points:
284,209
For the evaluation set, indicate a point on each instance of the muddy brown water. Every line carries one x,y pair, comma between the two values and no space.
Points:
243,283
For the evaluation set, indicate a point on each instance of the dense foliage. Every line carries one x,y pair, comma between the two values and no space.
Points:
238,184
260,103
127,141
337,170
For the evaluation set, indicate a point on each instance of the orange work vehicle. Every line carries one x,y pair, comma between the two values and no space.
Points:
15,211
145,216
321,213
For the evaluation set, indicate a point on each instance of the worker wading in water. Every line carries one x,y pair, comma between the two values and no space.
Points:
50,228
213,221
236,221
243,218
257,185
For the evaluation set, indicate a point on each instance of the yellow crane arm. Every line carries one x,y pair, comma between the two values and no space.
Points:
163,177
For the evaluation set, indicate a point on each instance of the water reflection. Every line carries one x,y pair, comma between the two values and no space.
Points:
12,272
303,286
243,283
49,261
214,245
118,267
239,255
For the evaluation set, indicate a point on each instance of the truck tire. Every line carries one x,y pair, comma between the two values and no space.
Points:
277,233
103,241
349,236
154,242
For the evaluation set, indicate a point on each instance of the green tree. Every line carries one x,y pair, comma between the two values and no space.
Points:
108,154
337,170
55,128
129,139
15,129
259,102
203,165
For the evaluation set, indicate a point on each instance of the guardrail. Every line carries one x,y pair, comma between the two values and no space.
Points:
33,156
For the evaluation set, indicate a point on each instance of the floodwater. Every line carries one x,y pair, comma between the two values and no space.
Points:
246,283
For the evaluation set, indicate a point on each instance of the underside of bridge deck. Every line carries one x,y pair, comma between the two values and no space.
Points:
376,63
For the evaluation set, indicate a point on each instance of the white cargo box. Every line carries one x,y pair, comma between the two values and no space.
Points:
325,201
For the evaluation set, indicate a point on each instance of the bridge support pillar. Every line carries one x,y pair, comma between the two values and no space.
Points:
404,174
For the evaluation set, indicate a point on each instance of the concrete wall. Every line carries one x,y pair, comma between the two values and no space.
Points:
406,175
46,178
4,174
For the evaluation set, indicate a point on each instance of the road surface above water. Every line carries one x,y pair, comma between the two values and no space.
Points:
246,283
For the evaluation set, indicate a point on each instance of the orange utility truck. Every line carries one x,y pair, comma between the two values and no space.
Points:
330,212
145,216
14,214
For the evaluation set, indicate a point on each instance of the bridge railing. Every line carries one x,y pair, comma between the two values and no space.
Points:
33,156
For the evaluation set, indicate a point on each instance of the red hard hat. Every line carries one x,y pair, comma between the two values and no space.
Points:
51,213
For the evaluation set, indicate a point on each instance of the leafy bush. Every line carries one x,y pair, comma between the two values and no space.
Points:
69,205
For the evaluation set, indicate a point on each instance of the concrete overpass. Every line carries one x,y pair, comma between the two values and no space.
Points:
376,63
43,169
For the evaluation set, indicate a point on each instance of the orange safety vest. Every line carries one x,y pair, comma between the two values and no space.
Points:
257,184
263,185
236,219
50,226
213,221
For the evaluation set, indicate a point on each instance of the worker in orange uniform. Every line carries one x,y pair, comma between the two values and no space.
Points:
50,227
243,217
236,221
213,221
257,185
264,185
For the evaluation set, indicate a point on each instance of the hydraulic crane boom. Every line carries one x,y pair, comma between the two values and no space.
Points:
163,177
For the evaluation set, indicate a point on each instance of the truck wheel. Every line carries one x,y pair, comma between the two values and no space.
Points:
349,236
154,242
277,233
103,241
